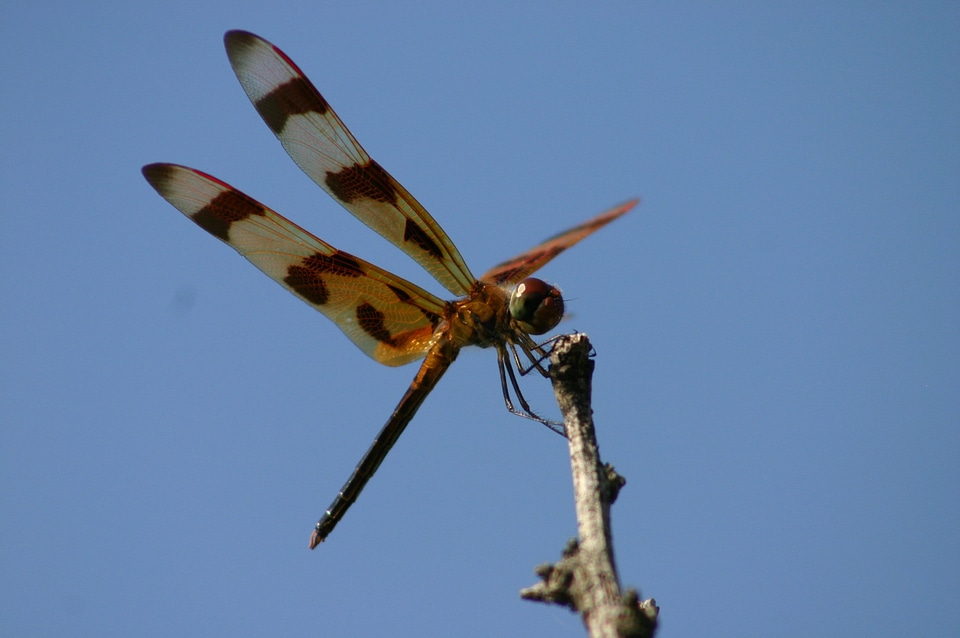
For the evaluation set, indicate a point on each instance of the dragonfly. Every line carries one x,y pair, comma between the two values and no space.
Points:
391,319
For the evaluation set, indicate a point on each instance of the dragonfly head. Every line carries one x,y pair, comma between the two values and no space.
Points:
536,306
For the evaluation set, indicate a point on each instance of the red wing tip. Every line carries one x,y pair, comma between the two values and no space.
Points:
621,209
611,214
240,44
239,37
158,174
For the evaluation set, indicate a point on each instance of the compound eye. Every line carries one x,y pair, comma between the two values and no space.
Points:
536,306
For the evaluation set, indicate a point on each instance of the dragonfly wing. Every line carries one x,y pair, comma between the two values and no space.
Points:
525,264
317,140
389,318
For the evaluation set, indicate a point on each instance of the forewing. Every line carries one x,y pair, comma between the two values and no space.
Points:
525,264
328,153
389,318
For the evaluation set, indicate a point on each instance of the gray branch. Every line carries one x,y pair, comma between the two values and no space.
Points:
585,579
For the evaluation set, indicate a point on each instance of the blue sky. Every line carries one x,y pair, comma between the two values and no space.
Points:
778,353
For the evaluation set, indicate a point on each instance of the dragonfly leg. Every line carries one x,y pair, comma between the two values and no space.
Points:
506,369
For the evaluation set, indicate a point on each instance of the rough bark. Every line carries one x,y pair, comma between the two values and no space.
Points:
585,579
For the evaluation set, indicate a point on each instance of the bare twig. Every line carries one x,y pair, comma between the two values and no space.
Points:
585,579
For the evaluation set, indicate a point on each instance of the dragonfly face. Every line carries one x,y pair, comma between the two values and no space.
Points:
536,306
391,319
